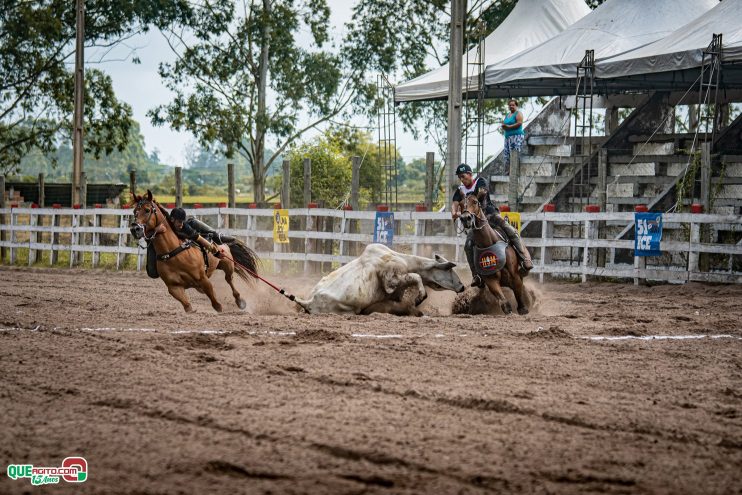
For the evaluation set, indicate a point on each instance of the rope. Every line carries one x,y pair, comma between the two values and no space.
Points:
283,292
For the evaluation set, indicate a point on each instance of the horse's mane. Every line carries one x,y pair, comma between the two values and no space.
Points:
165,214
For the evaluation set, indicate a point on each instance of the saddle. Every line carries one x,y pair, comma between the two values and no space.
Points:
152,257
490,260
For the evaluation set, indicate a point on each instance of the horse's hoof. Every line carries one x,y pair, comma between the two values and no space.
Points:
523,311
506,308
218,308
242,304
189,309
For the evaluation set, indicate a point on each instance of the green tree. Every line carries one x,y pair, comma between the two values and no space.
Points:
36,85
230,75
353,142
114,167
331,172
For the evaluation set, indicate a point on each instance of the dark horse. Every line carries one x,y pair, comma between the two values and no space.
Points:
485,236
181,264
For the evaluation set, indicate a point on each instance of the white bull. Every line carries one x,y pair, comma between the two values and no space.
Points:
377,280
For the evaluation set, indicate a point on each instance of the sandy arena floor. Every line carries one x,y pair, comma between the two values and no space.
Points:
107,366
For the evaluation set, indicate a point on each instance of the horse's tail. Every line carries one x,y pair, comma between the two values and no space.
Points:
246,257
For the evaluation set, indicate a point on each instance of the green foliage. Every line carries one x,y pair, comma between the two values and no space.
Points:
224,103
331,173
37,85
115,167
353,142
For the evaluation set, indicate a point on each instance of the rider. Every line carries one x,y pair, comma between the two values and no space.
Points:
479,187
197,231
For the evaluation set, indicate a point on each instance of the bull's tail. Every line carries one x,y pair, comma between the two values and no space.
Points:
246,257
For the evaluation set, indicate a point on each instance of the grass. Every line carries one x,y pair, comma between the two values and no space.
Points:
106,261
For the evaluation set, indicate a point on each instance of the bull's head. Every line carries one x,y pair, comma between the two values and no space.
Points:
439,275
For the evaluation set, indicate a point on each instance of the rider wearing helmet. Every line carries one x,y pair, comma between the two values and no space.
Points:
479,187
194,230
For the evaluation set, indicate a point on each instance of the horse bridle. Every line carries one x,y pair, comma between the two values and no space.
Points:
484,220
143,226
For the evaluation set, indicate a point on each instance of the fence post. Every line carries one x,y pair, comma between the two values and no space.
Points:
2,217
74,219
286,185
705,231
513,183
310,220
33,238
13,250
602,200
586,249
96,238
693,255
54,255
83,190
231,196
42,191
547,232
133,181
179,187
355,202
122,225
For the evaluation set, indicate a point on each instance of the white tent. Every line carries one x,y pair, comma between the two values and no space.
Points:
531,22
683,48
615,27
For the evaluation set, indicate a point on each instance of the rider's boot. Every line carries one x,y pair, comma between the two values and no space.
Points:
476,280
210,247
520,248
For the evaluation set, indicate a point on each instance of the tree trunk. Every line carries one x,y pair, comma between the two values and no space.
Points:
261,118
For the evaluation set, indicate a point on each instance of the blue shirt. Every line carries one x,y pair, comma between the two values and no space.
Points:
510,120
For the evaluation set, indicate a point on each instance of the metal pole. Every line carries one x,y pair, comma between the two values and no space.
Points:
355,183
179,187
458,15
77,137
286,185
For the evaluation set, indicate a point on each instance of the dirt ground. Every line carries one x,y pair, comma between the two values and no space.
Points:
106,366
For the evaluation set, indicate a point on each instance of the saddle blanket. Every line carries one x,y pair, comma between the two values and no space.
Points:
491,260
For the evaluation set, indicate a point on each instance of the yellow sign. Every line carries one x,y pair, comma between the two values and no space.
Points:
512,218
281,226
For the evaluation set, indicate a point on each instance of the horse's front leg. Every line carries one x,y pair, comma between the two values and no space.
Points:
208,289
179,293
519,289
493,284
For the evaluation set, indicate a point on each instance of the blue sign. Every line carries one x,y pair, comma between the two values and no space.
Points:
648,232
384,227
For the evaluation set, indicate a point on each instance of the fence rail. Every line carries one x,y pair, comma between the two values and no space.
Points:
321,236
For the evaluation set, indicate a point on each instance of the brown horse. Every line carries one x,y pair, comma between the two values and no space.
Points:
485,236
181,265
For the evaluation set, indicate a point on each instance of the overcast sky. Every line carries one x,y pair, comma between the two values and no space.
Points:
141,87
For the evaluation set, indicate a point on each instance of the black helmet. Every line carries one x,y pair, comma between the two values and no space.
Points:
463,169
178,214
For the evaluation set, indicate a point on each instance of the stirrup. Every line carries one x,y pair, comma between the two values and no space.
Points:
524,267
477,281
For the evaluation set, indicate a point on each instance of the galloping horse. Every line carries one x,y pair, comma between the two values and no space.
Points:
484,237
180,265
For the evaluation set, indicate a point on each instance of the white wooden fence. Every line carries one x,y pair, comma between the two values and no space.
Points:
326,238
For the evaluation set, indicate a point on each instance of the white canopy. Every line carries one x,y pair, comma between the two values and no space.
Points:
615,27
683,48
531,22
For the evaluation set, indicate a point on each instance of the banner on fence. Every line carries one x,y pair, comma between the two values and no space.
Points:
513,218
384,227
281,226
648,234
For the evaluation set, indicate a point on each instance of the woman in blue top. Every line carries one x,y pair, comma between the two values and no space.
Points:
513,127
